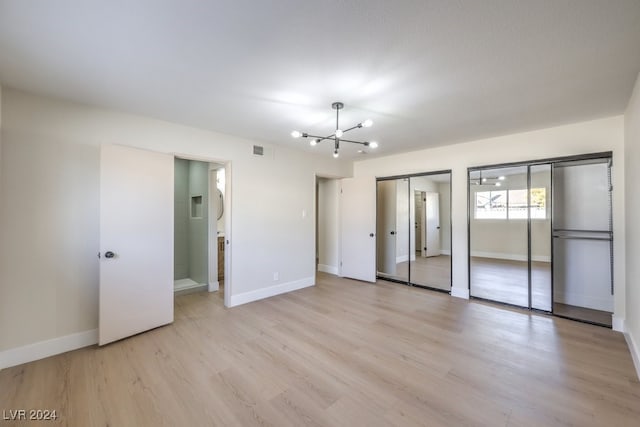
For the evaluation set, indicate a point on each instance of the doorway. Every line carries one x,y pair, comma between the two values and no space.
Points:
414,230
199,226
191,226
327,225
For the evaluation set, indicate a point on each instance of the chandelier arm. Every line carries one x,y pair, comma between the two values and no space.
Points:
320,138
354,142
352,128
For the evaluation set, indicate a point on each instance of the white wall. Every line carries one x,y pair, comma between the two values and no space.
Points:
580,138
632,200
50,198
328,225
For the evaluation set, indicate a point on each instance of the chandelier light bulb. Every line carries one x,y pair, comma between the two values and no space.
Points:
373,144
296,134
367,123
498,184
313,142
339,133
335,154
501,178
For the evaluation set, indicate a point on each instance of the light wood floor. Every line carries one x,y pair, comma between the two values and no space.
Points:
341,353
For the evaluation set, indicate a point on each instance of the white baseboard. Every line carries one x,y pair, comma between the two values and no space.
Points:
270,291
635,351
510,257
445,252
402,258
328,269
42,349
214,286
617,323
460,292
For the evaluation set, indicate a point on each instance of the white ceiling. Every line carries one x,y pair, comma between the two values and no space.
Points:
427,72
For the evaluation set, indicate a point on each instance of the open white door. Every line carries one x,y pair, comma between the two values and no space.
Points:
432,213
136,241
358,225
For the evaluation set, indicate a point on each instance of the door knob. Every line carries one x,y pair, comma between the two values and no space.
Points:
393,233
370,234
109,254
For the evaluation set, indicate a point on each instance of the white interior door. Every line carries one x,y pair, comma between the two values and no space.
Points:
358,225
432,212
422,221
136,241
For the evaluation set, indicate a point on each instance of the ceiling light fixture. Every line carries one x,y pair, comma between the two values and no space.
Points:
336,137
487,180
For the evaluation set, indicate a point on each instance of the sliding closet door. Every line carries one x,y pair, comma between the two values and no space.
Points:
498,226
540,234
582,240
393,229
430,232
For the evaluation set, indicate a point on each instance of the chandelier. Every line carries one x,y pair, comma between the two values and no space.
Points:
336,137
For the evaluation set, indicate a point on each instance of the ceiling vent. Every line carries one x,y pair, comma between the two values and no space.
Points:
258,150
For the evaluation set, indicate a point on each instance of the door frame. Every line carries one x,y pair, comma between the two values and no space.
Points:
316,235
213,246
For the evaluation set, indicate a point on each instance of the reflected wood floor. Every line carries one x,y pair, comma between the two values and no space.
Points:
506,281
341,353
583,313
434,272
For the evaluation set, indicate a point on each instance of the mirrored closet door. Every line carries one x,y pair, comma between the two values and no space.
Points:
583,240
498,224
393,229
541,236
414,230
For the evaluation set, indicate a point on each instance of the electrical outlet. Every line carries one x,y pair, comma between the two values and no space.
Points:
276,276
